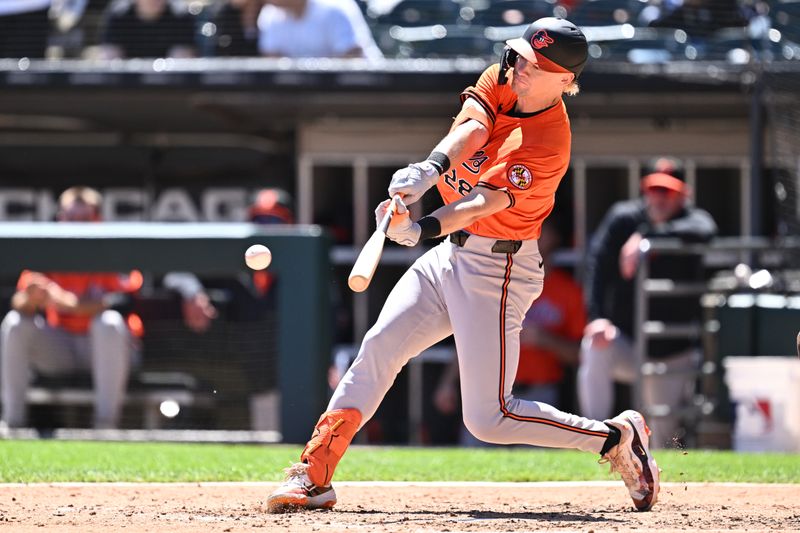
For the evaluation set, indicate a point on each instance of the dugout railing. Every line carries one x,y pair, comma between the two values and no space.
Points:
706,415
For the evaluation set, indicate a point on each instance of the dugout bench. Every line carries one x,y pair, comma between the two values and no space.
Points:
146,391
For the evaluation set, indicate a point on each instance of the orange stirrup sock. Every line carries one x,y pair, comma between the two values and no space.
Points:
332,436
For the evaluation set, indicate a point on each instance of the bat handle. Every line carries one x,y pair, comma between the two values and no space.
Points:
387,218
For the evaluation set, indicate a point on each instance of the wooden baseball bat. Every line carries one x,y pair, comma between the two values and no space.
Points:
367,261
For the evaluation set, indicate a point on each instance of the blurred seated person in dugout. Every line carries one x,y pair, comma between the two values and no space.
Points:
79,332
329,28
271,206
145,28
549,340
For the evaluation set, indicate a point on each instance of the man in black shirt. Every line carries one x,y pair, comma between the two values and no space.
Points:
146,28
236,28
607,351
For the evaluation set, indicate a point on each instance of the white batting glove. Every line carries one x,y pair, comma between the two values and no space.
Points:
412,182
401,229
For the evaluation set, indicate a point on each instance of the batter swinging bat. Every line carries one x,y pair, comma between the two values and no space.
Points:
367,260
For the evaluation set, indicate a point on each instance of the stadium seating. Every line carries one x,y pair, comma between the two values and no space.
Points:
513,12
606,12
786,19
421,13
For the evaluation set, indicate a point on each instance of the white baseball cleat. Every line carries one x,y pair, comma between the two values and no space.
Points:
631,458
298,492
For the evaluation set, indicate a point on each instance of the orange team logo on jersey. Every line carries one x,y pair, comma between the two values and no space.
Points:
540,40
520,176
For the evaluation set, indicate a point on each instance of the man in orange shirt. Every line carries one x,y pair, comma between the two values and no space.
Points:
551,331
78,332
509,148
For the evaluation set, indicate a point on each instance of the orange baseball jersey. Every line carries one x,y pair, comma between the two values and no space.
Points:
559,310
85,285
526,155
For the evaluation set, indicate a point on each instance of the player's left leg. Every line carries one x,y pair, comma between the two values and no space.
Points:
111,355
487,321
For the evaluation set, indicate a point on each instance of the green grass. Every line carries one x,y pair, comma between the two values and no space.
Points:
50,461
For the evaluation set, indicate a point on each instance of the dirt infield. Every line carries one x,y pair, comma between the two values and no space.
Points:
397,507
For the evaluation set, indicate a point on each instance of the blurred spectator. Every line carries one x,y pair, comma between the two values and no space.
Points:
196,306
549,340
701,18
315,28
236,24
79,333
607,351
145,28
24,28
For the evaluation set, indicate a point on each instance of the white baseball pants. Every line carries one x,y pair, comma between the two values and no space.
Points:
481,298
29,343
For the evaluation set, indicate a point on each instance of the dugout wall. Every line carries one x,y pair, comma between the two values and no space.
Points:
300,259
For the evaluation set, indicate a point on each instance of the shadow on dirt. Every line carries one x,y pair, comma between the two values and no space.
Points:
475,515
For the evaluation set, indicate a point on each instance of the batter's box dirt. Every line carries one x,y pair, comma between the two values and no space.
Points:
229,507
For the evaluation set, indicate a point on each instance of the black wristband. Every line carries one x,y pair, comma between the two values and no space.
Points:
440,161
430,227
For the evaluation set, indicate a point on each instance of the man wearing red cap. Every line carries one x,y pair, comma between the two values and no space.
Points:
497,171
607,349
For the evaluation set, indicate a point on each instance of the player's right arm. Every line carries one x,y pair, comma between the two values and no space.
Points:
31,295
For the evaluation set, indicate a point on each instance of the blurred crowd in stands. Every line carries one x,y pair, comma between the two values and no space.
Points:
639,31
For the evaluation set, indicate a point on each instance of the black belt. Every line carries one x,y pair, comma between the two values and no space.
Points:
459,238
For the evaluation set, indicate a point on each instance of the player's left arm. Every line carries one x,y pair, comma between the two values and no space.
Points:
479,203
696,225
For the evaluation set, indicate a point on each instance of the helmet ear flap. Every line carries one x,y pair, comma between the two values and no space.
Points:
507,61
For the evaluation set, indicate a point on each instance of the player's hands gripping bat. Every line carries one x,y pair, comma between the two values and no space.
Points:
401,229
367,261
412,181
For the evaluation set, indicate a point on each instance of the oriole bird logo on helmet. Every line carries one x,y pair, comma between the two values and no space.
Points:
540,40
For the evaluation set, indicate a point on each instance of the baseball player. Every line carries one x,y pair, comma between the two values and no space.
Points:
497,170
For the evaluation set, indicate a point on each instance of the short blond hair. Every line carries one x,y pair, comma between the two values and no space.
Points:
572,89
81,194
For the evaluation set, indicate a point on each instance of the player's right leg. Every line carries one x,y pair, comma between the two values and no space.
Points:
413,318
599,368
15,335
28,342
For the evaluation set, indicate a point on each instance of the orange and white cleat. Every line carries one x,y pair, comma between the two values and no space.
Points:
631,458
298,492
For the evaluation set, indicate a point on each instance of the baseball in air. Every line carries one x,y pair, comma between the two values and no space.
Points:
258,257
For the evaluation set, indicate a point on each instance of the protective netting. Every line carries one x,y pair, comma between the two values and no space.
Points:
782,102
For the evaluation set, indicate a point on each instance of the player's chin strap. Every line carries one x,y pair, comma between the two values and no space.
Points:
507,61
